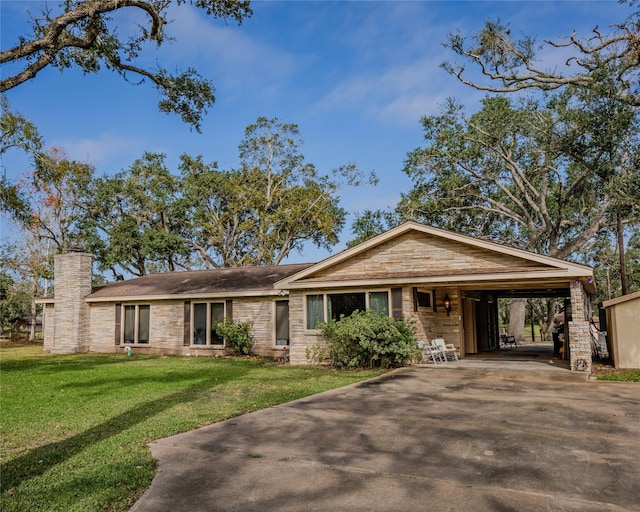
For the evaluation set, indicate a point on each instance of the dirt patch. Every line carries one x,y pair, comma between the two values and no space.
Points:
599,368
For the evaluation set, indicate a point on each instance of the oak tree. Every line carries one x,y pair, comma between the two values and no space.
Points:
84,34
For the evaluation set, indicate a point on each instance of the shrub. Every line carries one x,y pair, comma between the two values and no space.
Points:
237,335
368,339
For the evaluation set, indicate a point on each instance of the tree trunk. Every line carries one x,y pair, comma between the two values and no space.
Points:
623,263
34,312
547,328
516,318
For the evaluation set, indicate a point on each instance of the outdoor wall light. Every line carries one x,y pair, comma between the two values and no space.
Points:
447,303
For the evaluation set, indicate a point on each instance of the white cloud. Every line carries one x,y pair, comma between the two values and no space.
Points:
234,58
106,148
399,94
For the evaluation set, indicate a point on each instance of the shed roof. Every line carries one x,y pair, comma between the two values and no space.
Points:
245,281
619,300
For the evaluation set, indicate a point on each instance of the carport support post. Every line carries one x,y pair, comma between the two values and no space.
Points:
579,336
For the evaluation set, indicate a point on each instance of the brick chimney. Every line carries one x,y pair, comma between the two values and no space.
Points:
72,273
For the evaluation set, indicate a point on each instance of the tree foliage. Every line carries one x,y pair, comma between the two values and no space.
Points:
544,175
133,219
147,218
603,60
272,205
83,34
49,200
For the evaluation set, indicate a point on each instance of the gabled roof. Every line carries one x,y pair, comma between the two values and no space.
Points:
522,264
224,282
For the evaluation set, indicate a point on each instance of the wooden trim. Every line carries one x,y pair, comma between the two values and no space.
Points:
118,334
396,302
191,296
187,324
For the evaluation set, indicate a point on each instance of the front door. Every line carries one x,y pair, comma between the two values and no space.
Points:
469,326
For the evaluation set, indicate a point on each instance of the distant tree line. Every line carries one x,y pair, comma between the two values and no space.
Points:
149,218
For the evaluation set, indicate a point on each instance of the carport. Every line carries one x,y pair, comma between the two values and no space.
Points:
480,325
481,319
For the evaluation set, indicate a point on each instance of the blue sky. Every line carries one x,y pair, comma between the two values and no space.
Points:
355,76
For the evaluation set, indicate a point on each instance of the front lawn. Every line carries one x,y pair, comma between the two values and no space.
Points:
622,375
74,429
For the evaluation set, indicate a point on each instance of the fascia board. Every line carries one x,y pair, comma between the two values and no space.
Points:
189,296
444,279
619,300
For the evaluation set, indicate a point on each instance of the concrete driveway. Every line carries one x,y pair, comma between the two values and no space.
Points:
472,436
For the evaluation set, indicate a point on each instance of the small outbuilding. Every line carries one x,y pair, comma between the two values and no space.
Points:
623,332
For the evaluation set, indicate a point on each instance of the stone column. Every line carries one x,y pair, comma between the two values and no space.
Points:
72,273
579,335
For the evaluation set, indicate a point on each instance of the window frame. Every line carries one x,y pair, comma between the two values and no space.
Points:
209,327
325,305
275,323
136,324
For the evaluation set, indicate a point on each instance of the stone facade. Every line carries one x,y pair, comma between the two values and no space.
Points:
429,324
166,335
416,254
71,312
579,334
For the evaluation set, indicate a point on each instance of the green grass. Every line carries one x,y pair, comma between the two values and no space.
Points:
74,429
624,376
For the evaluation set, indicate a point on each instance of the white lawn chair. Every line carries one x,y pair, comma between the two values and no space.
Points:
447,349
430,353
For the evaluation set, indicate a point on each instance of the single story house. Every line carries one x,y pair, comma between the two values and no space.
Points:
21,326
447,284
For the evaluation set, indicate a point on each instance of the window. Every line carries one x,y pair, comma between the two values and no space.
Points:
423,298
343,304
379,302
282,322
206,316
136,323
315,310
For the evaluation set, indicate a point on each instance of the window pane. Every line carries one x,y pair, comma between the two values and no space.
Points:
143,324
129,324
282,322
217,315
379,302
343,304
199,324
315,307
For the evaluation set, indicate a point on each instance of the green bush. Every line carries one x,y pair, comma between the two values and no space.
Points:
237,335
368,339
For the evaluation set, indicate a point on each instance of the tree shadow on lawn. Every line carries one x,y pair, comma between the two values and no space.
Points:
47,363
39,460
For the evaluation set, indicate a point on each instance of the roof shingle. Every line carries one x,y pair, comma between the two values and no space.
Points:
223,280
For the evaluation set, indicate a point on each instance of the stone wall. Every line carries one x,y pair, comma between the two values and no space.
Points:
167,328
579,334
428,324
416,254
49,321
71,312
